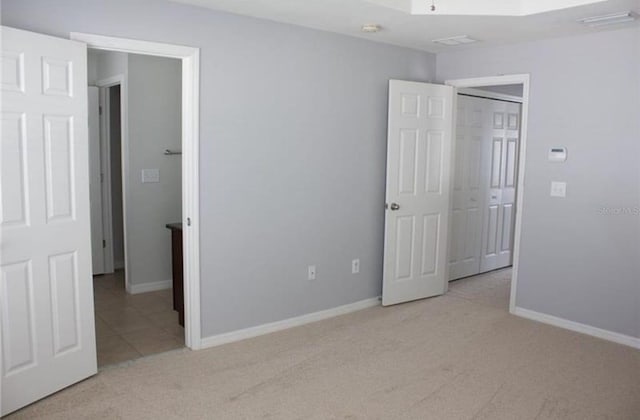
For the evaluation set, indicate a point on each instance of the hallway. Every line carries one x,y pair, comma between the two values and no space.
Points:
132,326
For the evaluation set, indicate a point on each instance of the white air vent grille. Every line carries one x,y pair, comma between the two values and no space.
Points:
455,40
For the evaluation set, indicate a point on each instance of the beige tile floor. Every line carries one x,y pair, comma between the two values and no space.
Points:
132,326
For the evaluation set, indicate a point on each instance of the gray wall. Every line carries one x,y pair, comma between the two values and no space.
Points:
576,262
293,146
155,95
92,67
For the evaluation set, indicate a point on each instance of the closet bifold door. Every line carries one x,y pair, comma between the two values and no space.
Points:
499,220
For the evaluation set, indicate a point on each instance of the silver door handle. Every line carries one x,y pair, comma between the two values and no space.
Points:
394,206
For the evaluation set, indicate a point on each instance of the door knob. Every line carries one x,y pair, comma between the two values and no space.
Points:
394,206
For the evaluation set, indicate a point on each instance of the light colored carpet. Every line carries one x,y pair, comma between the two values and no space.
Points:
459,356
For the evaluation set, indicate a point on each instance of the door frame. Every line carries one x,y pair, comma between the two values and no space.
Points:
105,160
489,95
190,58
524,80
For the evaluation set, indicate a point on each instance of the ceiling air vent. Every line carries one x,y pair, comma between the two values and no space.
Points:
371,28
455,40
612,19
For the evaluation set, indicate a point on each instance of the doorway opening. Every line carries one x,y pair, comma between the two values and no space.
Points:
135,168
187,153
487,188
423,188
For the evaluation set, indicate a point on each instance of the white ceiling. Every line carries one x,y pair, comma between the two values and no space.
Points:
480,8
417,31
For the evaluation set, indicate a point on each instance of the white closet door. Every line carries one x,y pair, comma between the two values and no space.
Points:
469,189
46,290
418,191
498,236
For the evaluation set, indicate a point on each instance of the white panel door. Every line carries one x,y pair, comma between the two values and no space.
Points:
499,225
46,296
418,181
469,189
95,184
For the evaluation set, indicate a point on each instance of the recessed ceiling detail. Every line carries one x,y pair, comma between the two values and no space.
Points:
492,24
481,8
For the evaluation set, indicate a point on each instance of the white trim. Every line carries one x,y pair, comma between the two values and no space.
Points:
523,79
120,79
230,337
191,196
626,340
133,46
190,160
490,95
134,289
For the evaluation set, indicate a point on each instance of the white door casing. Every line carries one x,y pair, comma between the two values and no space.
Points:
484,187
96,181
190,58
525,81
468,189
46,290
498,232
419,150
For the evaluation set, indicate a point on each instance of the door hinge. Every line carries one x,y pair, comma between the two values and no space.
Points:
104,243
99,110
188,221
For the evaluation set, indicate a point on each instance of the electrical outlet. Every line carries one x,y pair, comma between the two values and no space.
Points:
311,272
355,266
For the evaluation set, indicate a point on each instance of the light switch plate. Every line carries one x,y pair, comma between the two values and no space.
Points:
150,176
558,189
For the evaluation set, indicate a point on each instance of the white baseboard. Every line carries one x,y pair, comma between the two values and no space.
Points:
627,340
134,289
238,335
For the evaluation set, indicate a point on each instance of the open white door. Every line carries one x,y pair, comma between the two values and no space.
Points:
98,244
468,188
418,191
46,290
498,233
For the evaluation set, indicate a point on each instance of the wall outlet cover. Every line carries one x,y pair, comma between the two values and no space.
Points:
311,272
558,189
355,266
